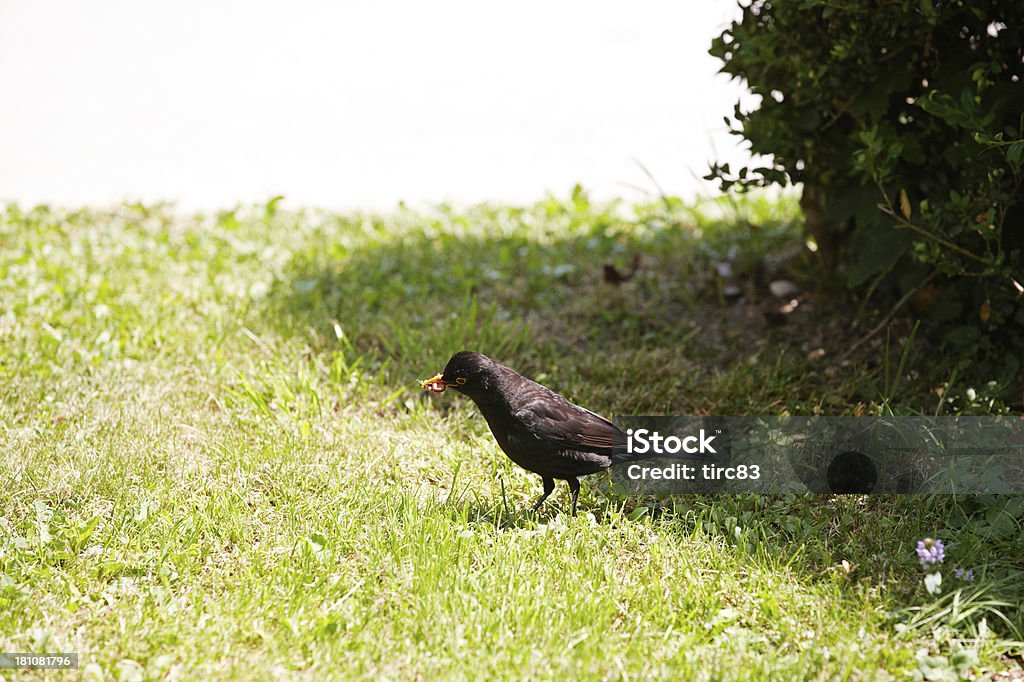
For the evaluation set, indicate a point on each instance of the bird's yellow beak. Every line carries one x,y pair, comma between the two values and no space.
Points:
435,384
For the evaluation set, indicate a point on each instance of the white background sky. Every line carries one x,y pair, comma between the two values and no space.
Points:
357,103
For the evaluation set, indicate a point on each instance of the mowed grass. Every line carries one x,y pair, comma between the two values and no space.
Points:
217,461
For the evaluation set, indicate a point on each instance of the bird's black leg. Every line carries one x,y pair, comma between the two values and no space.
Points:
549,487
574,486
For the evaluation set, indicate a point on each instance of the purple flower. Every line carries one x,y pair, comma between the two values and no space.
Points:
930,551
967,575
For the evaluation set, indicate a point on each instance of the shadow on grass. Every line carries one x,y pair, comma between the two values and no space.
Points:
530,291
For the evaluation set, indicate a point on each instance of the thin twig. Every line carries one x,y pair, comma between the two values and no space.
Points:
888,317
890,210
838,113
925,233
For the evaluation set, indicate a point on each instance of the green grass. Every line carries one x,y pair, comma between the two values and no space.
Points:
217,461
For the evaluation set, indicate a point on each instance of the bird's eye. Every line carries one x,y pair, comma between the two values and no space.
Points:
460,380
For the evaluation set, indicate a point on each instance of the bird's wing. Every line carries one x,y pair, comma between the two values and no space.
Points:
554,419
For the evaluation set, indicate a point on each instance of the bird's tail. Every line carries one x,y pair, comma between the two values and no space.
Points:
621,455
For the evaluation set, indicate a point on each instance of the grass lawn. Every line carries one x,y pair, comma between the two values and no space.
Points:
217,461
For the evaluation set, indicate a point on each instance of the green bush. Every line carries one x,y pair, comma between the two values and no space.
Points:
903,120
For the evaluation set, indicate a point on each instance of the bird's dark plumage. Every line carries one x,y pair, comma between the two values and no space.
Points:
538,429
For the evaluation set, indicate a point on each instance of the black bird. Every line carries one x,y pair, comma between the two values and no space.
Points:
538,429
